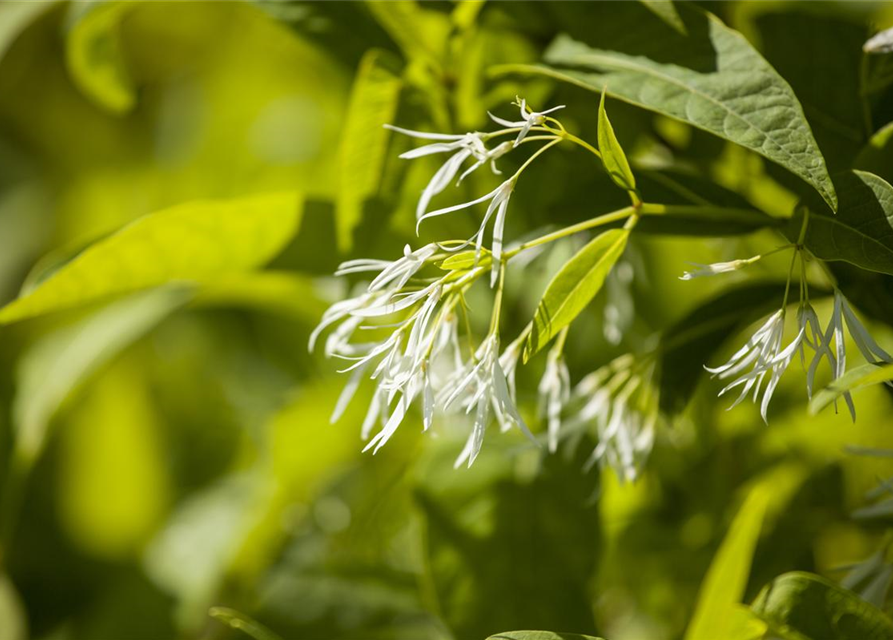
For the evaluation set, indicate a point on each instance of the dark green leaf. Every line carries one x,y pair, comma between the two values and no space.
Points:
573,287
613,156
803,46
816,609
711,78
689,344
861,232
863,376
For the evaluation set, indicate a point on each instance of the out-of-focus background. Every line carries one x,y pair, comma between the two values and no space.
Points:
188,458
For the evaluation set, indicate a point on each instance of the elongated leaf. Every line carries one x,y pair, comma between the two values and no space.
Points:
613,156
364,142
706,220
93,54
420,33
465,260
723,588
574,286
196,241
863,376
709,77
243,623
13,624
54,366
539,635
689,344
861,232
816,609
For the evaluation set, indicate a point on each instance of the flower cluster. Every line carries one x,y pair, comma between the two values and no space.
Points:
765,357
419,357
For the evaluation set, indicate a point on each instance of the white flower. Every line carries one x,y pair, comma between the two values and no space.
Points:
763,354
499,202
480,386
554,391
842,315
528,120
463,147
715,268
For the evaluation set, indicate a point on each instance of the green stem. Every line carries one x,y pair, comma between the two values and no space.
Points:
598,221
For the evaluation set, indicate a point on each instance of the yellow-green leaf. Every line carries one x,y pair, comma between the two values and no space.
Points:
421,34
863,376
373,103
93,54
613,156
196,241
574,286
465,260
723,588
243,623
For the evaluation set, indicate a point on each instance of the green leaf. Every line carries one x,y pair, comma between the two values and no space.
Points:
93,54
688,345
574,286
465,260
13,623
243,623
808,605
421,34
195,241
723,588
666,11
861,232
613,156
853,379
52,368
711,78
540,635
364,142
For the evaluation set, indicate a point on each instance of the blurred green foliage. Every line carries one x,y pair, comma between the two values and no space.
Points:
170,451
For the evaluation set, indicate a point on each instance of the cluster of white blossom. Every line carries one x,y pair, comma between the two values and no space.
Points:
420,356
765,355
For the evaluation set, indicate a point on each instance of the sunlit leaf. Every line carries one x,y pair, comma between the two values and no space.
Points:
196,241
863,376
420,33
613,156
243,623
465,260
93,54
861,232
711,78
364,141
723,588
808,605
13,624
574,286
55,365
540,635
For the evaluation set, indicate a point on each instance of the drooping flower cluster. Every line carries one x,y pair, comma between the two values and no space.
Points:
765,354
415,354
620,400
